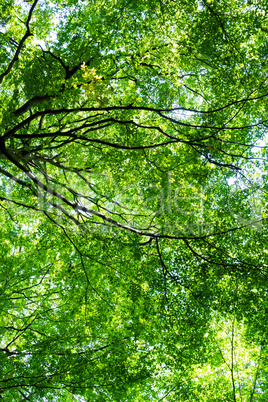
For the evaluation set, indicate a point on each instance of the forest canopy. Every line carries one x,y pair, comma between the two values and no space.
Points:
133,200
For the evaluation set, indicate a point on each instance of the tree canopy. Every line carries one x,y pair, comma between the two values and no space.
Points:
133,195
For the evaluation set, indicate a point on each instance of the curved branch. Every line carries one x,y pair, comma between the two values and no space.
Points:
21,43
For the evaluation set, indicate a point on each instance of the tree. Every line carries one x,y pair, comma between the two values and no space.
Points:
133,200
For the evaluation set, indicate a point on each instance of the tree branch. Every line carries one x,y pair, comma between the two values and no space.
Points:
21,43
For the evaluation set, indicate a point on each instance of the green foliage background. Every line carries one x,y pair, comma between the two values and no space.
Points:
133,194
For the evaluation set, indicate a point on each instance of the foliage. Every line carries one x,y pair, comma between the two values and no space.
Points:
133,200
